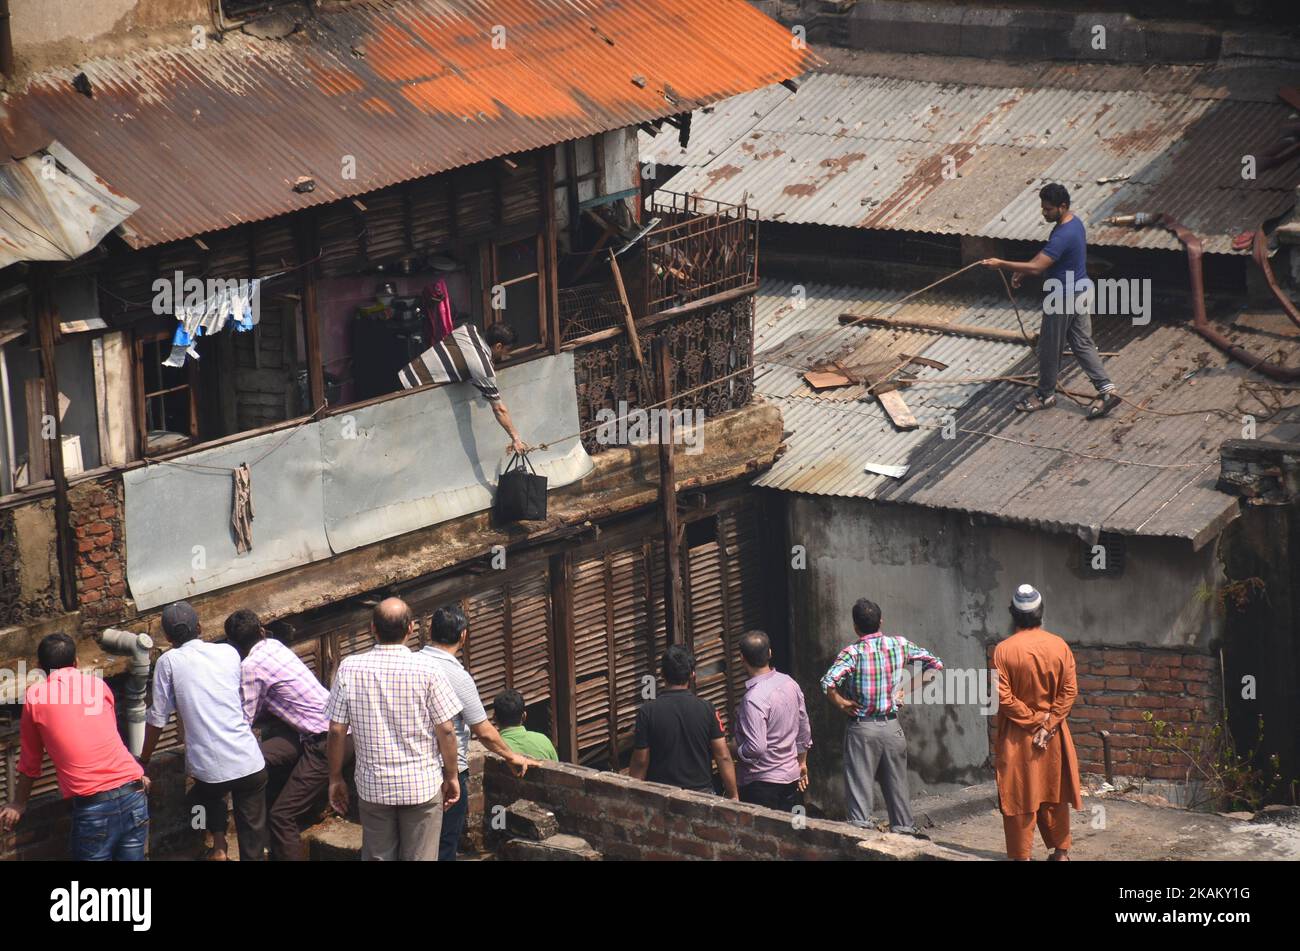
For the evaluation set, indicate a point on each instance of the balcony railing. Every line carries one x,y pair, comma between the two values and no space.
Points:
704,248
701,249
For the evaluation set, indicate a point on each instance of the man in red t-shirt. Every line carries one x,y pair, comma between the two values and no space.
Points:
71,714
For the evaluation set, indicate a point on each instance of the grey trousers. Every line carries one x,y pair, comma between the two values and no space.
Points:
400,833
1076,328
876,749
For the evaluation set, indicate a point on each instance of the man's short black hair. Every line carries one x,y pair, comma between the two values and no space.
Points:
501,333
392,621
509,708
56,651
756,648
1027,620
866,616
1054,193
243,628
448,624
677,665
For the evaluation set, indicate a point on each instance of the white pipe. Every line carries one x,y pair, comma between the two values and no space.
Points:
137,647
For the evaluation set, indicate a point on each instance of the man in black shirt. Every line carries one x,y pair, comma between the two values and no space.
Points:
678,733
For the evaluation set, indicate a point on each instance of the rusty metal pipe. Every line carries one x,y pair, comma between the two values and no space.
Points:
1105,754
1200,323
1259,251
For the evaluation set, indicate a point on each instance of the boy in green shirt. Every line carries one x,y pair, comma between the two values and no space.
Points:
509,713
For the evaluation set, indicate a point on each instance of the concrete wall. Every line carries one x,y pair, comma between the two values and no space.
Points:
57,32
944,580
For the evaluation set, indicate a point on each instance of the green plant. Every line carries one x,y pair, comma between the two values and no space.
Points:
1224,779
1238,594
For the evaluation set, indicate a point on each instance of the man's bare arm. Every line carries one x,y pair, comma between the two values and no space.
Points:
11,813
640,764
452,792
151,735
726,768
1036,265
502,413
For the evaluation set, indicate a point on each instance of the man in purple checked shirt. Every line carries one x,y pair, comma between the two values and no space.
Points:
771,735
275,682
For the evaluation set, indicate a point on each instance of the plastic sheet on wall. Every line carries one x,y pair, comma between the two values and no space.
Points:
342,482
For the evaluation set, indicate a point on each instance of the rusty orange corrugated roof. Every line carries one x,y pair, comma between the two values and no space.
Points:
205,139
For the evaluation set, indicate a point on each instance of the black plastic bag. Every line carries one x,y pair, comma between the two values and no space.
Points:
521,492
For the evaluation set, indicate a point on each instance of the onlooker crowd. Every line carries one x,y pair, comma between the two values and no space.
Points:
259,728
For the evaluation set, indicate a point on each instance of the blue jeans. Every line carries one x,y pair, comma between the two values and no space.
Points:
453,823
111,830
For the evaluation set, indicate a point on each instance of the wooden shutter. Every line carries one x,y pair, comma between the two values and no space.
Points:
10,748
510,637
311,654
707,624
592,649
509,615
726,598
618,637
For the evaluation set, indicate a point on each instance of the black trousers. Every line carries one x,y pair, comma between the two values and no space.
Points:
781,796
248,793
303,791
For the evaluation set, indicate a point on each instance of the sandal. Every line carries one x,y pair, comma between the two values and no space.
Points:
1103,404
1032,404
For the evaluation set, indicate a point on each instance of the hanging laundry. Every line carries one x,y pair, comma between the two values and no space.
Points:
228,301
241,515
437,304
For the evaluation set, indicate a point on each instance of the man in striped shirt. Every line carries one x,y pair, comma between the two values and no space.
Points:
277,683
400,707
862,684
463,356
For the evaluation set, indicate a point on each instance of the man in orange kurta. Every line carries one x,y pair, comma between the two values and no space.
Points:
1037,771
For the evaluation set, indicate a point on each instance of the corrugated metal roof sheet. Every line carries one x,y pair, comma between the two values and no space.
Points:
54,217
894,154
206,139
1136,473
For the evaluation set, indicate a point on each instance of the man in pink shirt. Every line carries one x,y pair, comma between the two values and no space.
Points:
771,731
71,715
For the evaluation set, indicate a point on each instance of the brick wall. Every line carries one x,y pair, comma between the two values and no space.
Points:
96,516
627,819
1118,685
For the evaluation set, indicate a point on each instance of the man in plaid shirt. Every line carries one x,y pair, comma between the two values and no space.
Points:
400,708
278,686
862,684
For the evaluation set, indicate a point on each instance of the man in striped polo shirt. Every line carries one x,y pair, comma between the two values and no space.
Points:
862,684
464,356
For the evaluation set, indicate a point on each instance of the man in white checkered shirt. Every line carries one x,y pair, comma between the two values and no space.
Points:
400,708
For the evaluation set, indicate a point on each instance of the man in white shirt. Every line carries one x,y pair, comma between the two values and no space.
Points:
448,631
400,708
200,683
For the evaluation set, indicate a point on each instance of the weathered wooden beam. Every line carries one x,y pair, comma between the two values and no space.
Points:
47,323
939,326
629,322
308,253
899,413
564,687
673,600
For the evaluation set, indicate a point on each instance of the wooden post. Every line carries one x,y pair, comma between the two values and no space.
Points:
575,221
47,325
564,689
673,602
550,243
309,250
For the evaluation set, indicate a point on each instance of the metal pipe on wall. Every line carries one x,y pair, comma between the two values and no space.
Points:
1199,321
137,647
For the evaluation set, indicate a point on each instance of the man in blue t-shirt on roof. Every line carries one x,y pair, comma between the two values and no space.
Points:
1067,306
